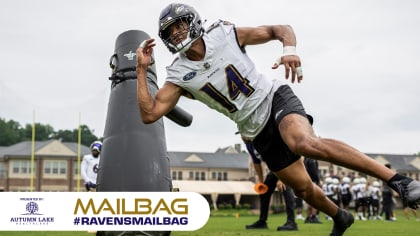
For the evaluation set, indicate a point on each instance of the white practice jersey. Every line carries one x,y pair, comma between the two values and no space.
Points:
327,188
355,190
374,192
226,80
362,190
345,188
89,168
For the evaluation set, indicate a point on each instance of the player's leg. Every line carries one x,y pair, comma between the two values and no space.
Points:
415,214
299,208
289,199
298,134
296,177
300,138
270,181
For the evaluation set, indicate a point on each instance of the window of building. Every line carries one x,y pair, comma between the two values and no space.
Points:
55,168
177,175
3,170
203,175
21,168
220,176
76,168
196,175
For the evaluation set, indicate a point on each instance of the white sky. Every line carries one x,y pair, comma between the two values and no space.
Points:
360,63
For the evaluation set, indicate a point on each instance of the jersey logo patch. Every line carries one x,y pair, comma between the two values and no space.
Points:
189,76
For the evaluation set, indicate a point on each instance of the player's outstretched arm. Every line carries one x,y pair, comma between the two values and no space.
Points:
283,33
153,108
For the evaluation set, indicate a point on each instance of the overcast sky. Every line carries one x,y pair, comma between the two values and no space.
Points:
360,62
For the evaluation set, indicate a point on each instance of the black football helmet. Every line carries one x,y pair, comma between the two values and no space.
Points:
174,13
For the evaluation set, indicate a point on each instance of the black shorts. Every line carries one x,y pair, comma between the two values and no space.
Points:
346,199
268,143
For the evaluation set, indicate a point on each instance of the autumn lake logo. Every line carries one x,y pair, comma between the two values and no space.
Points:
32,216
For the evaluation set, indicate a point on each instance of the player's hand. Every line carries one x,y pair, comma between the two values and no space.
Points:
281,186
144,53
291,64
90,185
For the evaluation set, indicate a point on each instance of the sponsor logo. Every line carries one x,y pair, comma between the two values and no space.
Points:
32,215
189,76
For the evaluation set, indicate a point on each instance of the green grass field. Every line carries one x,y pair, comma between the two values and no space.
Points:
228,225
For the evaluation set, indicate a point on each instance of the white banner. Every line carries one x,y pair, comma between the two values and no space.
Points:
103,211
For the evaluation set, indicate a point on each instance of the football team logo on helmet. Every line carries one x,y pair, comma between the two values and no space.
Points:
179,9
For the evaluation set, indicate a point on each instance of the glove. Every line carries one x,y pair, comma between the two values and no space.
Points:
90,185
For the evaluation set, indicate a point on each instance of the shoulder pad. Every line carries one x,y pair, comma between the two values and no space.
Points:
217,24
213,26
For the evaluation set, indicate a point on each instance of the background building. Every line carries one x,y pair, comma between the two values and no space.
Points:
55,166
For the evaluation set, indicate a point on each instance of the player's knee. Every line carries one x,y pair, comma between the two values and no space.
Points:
305,190
303,193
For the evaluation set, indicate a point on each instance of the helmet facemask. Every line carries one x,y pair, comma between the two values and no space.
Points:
189,29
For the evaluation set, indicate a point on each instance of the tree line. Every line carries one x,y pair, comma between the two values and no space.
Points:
11,132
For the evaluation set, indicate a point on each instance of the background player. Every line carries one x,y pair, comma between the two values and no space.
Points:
90,166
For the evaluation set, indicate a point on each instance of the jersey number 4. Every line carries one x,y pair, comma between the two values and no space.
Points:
236,84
